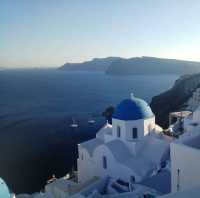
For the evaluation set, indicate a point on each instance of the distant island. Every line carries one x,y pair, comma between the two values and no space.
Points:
152,65
96,64
135,66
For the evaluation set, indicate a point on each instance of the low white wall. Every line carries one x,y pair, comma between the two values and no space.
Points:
187,160
85,166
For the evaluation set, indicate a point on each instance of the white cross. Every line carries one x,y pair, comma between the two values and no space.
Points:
132,96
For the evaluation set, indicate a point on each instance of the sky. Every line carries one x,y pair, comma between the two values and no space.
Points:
48,33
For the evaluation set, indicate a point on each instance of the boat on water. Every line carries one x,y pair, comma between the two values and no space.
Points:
74,124
91,121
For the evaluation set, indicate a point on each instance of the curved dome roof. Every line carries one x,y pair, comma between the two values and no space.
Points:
4,191
132,109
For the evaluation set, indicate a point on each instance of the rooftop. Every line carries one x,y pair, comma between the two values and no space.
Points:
133,109
90,145
181,114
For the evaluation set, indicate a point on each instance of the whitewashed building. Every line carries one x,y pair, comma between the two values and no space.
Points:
185,160
131,149
185,155
185,164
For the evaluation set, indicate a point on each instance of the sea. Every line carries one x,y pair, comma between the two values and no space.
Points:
37,107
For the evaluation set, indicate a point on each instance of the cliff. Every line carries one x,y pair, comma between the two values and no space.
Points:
175,98
152,66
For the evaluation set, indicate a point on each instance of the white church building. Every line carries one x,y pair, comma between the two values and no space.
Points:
131,149
185,160
133,158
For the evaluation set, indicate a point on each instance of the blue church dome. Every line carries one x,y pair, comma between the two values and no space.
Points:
132,109
4,191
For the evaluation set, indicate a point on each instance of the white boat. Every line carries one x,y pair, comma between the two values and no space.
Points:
91,121
74,124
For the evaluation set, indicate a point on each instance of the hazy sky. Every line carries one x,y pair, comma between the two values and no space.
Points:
51,32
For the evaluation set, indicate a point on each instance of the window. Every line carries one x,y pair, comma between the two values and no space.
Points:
134,133
104,162
118,131
132,179
81,156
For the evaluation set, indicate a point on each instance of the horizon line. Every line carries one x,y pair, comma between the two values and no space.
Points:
90,59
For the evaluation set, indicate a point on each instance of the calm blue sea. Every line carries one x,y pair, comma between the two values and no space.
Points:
37,107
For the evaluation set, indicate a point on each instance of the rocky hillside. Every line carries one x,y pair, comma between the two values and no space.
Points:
175,98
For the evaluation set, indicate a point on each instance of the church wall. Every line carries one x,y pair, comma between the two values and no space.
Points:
134,124
122,126
85,165
109,138
98,156
143,128
126,129
114,168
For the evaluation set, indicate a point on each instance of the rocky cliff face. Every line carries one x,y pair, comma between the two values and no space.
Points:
175,98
